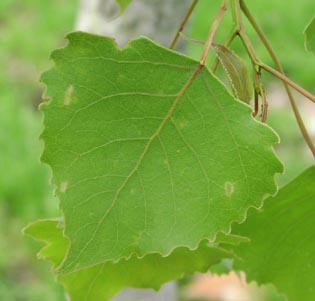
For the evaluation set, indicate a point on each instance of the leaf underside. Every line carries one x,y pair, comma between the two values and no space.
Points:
103,281
310,36
282,244
140,164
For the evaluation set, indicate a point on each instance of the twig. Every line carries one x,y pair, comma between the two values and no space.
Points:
260,90
279,67
256,104
241,32
183,24
288,81
212,32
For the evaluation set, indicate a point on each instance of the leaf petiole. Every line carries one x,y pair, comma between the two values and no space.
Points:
212,32
183,23
286,83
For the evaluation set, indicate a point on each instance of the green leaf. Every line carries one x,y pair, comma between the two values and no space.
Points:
282,244
310,36
49,231
103,281
237,72
123,4
144,162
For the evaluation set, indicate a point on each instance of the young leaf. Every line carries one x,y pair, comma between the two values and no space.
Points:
282,244
310,36
144,158
237,72
103,281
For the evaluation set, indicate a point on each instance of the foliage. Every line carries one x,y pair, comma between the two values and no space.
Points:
142,139
289,21
282,239
155,163
109,278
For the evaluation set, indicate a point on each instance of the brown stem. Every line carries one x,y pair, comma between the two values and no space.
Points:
264,110
249,47
256,104
260,90
183,24
280,69
212,32
254,58
288,81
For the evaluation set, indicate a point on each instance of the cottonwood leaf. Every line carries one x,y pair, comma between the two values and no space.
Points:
143,162
103,281
282,240
310,36
237,72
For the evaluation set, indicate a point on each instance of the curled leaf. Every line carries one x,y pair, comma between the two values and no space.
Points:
237,72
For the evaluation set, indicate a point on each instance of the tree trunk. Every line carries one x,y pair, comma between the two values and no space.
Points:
158,20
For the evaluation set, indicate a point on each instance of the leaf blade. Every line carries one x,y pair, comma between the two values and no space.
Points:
282,243
127,189
103,281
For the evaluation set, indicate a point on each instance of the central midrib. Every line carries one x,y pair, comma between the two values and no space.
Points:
143,154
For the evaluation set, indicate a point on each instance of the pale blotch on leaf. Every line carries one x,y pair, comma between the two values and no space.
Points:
182,125
63,187
229,188
69,92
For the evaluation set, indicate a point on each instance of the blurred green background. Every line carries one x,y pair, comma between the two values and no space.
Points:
29,30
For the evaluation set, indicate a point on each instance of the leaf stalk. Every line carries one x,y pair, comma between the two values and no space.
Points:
212,32
280,74
183,23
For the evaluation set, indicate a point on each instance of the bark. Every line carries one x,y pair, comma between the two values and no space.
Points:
156,19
